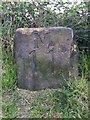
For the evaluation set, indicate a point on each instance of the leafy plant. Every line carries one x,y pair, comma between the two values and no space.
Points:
39,14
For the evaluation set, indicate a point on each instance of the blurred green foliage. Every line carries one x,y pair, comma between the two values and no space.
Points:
43,14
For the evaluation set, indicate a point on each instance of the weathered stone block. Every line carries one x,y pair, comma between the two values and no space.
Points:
43,57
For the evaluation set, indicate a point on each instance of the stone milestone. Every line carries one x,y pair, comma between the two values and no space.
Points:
44,56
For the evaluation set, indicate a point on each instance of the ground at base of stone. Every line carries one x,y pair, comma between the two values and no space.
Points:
23,99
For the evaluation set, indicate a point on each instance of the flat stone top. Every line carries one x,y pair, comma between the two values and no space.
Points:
27,31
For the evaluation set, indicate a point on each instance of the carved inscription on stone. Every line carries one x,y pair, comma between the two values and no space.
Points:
43,57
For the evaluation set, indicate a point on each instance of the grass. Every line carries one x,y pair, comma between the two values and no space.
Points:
67,102
71,102
9,109
9,106
9,73
84,65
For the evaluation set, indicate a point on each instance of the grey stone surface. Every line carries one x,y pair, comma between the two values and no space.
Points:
43,57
